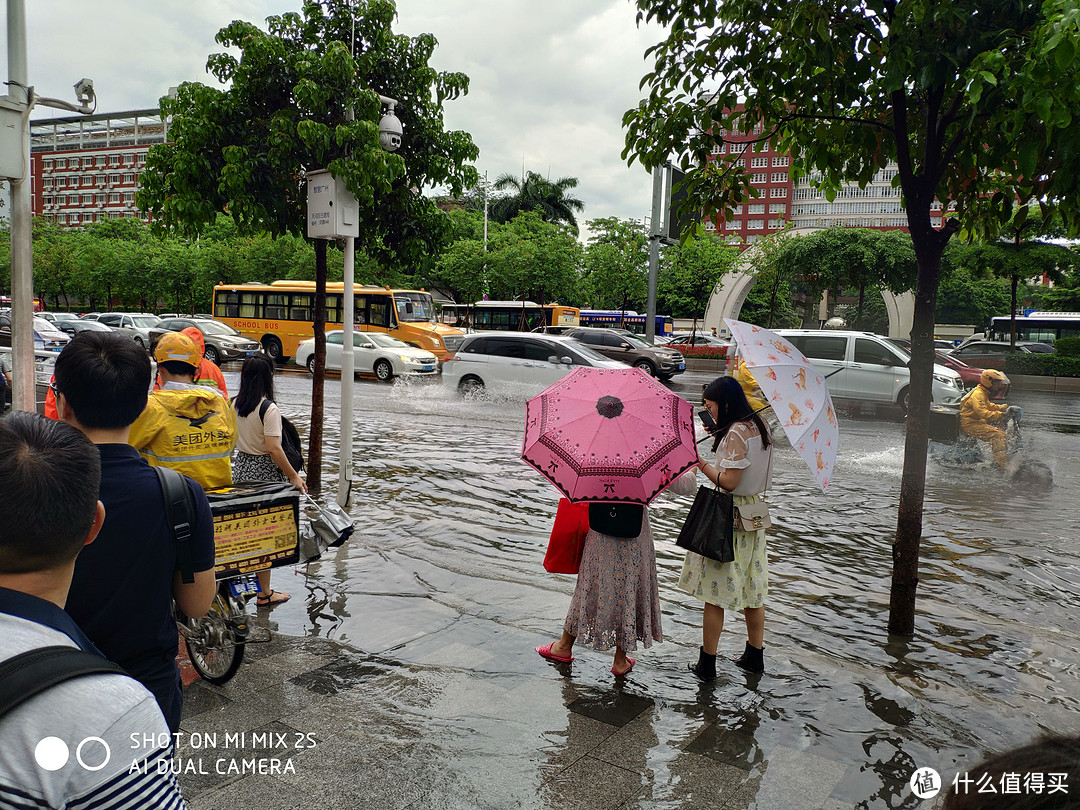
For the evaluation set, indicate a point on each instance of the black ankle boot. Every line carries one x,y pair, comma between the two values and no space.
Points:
752,659
705,668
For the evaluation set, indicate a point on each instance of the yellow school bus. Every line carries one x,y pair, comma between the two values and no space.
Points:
280,315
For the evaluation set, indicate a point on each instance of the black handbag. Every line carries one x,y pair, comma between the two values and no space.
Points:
709,528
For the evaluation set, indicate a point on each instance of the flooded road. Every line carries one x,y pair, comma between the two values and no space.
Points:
451,532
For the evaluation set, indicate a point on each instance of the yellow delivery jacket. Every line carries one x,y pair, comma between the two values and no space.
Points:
192,430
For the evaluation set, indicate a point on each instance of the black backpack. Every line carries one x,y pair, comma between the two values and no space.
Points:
32,672
290,439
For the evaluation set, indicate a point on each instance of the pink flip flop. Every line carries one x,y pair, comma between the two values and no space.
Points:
625,671
545,652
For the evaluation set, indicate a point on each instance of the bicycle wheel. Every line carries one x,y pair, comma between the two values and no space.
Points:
211,643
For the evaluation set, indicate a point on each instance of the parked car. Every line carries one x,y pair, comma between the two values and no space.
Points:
969,375
697,339
940,345
135,324
373,353
89,316
530,361
72,328
223,343
47,338
992,353
864,367
618,344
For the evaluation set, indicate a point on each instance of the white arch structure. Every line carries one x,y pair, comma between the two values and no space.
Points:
728,298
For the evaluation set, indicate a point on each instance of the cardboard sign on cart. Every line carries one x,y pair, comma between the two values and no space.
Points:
255,527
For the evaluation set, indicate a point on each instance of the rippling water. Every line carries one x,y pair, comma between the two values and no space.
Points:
452,528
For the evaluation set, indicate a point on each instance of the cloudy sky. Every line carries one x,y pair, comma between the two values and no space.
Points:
549,81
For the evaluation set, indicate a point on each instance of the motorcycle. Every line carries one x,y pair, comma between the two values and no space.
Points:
951,447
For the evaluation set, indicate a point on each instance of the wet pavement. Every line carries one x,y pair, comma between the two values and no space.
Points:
402,673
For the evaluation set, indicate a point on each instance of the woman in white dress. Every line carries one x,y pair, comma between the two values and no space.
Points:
743,454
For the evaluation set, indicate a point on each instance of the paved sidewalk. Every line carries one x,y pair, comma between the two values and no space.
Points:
458,720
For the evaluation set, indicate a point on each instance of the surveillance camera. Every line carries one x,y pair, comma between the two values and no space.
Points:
390,132
84,91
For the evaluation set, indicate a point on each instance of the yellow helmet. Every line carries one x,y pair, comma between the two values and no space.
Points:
991,376
177,347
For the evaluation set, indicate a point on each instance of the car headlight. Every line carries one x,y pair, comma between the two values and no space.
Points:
407,359
949,381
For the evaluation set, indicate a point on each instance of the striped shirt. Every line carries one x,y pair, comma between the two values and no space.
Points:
98,741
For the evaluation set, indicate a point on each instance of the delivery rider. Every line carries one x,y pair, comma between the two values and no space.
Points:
187,427
980,416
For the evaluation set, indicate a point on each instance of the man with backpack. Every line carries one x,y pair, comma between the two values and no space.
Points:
77,731
123,584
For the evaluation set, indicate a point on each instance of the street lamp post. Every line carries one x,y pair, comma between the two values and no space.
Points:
16,107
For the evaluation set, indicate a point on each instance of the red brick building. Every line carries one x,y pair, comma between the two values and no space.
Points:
86,168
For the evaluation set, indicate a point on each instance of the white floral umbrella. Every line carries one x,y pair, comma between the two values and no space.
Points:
798,395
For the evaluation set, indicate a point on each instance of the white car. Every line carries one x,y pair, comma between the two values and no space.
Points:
865,367
527,361
373,353
137,325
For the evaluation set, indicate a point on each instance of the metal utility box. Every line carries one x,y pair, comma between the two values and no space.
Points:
12,157
944,424
332,211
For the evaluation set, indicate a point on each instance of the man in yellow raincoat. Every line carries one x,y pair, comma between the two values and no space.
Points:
187,427
979,415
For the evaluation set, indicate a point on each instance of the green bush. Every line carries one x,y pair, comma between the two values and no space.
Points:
1043,365
1068,346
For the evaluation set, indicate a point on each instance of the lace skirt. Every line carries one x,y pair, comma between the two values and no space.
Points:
616,602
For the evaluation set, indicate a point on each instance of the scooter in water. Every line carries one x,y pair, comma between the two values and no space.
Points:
951,447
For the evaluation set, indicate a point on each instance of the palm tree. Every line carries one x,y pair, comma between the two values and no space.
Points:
533,192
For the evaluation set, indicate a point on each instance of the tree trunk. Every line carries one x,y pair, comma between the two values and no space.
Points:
1012,313
858,312
315,434
905,575
772,299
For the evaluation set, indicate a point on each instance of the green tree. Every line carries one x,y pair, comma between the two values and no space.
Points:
965,297
689,274
854,259
616,264
974,101
536,193
1021,252
304,95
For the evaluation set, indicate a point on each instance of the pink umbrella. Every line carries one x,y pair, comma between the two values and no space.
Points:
609,435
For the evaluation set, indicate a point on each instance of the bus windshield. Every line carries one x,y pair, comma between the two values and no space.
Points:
414,307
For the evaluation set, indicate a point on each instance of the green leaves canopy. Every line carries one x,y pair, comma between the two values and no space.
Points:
245,149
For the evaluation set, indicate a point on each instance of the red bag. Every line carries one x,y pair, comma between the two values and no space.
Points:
567,538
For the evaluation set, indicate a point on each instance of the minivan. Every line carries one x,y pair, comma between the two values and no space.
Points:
527,361
865,367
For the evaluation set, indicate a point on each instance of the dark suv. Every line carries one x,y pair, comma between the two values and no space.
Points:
659,361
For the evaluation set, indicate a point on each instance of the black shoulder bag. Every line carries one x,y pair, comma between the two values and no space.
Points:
709,529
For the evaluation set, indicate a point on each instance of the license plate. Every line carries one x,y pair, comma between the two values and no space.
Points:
682,366
242,585
429,368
